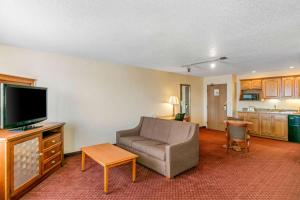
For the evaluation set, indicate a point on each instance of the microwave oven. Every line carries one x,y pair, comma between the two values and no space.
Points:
250,97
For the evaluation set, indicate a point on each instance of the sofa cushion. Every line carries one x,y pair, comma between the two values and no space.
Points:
142,145
147,127
128,140
156,129
179,132
161,130
158,151
151,147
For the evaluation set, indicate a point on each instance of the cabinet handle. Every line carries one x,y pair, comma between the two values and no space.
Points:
53,151
53,141
53,162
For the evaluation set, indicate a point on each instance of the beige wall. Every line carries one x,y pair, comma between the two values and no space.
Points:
97,99
280,104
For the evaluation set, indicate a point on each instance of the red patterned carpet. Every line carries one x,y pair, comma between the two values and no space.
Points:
270,171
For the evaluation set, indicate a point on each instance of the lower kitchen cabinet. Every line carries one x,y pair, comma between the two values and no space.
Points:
254,118
280,126
266,124
270,125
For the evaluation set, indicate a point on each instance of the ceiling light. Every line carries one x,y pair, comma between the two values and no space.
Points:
253,71
212,52
212,65
291,67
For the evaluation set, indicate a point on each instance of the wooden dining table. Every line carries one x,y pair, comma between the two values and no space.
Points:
238,122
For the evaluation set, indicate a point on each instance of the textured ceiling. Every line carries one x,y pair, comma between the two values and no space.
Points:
160,34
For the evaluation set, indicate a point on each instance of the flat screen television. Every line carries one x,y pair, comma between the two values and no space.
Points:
22,106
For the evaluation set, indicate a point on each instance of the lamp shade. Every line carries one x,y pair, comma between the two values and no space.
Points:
173,100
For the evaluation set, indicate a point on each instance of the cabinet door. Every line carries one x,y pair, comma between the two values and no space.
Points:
254,118
279,126
242,115
297,86
256,84
266,124
246,85
26,162
288,86
271,88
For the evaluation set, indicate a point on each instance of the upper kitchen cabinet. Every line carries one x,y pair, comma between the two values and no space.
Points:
245,84
251,84
288,87
271,88
297,86
256,84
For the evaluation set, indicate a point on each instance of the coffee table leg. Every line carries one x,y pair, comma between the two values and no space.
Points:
82,161
106,179
133,170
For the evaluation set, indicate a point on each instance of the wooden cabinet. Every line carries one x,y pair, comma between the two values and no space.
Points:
297,86
246,85
26,157
274,87
288,87
52,152
25,162
270,125
251,84
254,118
271,88
242,115
256,84
279,126
266,124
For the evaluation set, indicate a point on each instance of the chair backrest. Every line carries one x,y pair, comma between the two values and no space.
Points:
179,116
237,129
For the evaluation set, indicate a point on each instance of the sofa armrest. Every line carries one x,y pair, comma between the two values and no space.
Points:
182,156
129,132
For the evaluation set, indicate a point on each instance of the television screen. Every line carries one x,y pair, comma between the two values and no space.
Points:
23,105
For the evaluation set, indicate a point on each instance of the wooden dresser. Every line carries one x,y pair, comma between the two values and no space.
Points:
27,157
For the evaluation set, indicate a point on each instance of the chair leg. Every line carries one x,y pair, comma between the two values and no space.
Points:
248,146
227,145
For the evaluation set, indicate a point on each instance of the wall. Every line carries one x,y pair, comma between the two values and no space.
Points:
280,104
97,99
230,80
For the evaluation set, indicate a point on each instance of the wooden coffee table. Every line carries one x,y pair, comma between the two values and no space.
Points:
109,156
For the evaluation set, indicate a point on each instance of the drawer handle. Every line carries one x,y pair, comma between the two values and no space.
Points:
53,151
53,141
53,162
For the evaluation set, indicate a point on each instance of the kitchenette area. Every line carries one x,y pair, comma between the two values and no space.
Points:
272,104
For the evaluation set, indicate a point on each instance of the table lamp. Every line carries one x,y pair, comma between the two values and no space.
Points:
173,100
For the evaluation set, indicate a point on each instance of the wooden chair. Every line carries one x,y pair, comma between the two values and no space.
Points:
237,131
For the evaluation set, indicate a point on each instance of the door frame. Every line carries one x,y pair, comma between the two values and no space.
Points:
207,100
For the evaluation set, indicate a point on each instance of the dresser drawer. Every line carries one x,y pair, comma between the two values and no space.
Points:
52,151
52,163
51,141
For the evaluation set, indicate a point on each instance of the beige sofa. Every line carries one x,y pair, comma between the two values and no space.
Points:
168,147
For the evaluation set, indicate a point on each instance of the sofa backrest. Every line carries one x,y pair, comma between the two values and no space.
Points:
168,131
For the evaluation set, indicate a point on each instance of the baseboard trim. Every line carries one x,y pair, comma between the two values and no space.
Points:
72,154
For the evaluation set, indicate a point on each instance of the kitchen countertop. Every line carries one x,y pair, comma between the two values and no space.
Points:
270,111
